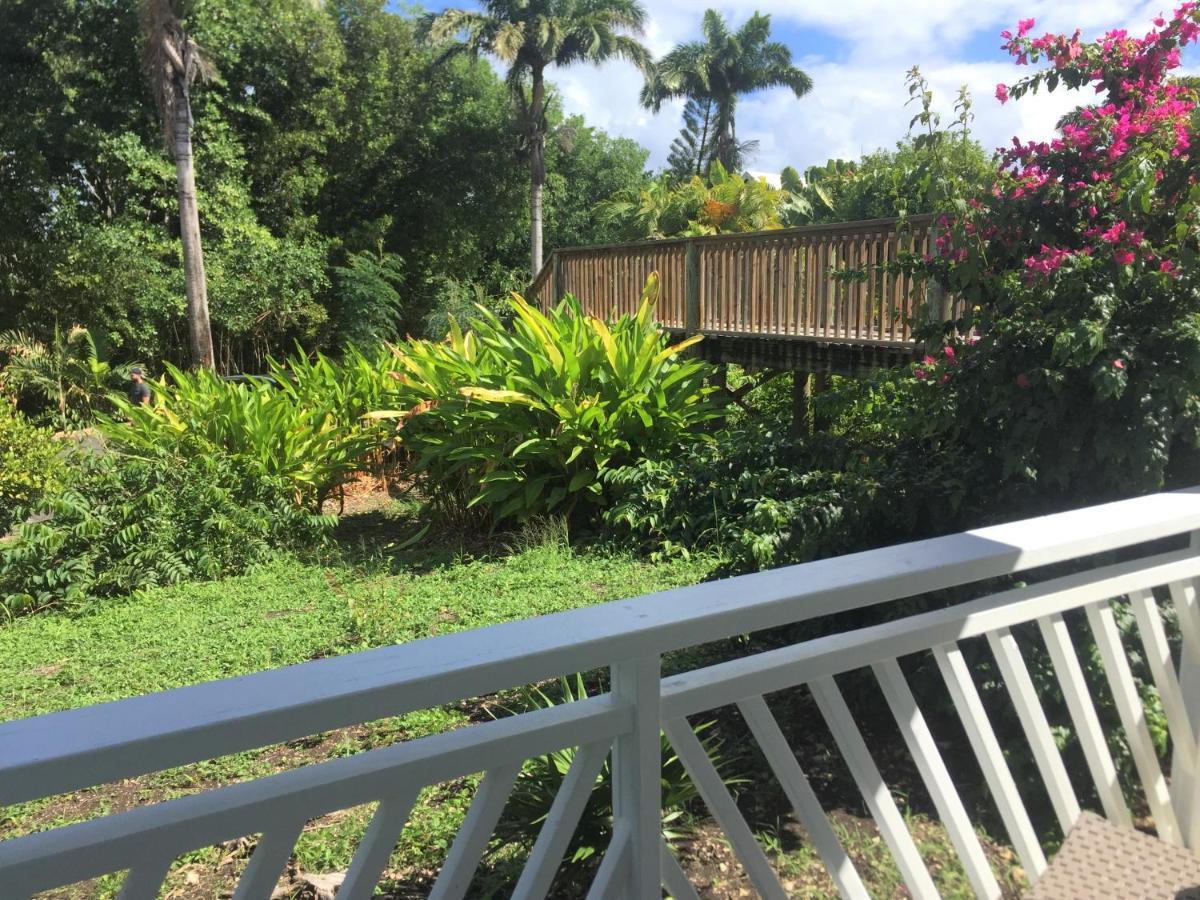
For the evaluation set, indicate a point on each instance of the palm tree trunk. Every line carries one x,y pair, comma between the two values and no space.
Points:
537,169
725,148
199,328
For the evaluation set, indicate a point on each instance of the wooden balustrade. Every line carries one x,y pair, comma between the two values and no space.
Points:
765,284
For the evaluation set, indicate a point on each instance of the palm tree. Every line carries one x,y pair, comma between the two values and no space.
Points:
529,36
68,372
174,62
725,65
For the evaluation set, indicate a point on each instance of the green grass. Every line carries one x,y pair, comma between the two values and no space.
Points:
286,613
291,612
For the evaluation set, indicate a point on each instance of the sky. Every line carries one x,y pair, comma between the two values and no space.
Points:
857,53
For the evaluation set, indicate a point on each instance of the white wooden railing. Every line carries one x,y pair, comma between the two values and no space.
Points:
1139,549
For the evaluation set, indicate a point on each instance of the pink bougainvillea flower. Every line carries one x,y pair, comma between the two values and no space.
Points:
1124,256
920,373
929,360
1025,26
949,352
1168,267
1118,364
1023,381
1002,92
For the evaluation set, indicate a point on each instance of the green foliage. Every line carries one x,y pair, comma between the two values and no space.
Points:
522,422
691,152
31,464
542,777
931,170
66,379
327,138
721,203
120,525
302,426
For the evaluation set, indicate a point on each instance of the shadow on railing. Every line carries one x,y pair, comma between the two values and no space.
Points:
1114,551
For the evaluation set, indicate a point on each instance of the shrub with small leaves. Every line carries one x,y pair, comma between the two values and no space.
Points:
31,464
120,525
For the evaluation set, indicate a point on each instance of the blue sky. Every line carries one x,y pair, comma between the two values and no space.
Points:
857,52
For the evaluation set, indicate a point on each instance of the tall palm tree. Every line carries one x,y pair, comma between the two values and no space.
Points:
722,67
529,36
174,62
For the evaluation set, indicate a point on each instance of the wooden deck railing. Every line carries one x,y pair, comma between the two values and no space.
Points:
769,283
1130,562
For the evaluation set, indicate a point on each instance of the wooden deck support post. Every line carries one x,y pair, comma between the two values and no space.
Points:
691,290
802,385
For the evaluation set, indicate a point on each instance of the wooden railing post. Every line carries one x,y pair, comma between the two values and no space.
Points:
637,777
556,278
691,290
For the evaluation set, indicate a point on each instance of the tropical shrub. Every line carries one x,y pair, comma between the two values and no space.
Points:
721,203
1080,380
120,525
303,424
31,464
524,421
67,379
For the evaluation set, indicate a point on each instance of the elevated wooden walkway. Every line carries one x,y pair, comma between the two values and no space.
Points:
765,299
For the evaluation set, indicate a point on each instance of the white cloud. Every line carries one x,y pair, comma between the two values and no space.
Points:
857,102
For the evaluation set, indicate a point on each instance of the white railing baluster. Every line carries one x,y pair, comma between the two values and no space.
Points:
1162,670
1083,716
613,877
1133,719
377,844
674,880
808,809
875,792
473,835
144,882
561,821
1037,728
991,758
933,771
268,860
1185,783
637,773
723,808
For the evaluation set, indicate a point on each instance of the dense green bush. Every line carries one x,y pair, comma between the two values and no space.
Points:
123,524
303,425
30,463
523,421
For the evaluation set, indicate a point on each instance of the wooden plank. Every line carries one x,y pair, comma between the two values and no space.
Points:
1036,727
1162,670
637,772
1133,720
723,808
1083,715
268,860
928,759
473,836
377,844
144,880
674,880
559,827
804,801
612,879
991,758
873,789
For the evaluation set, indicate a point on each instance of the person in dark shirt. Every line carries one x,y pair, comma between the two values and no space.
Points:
139,391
